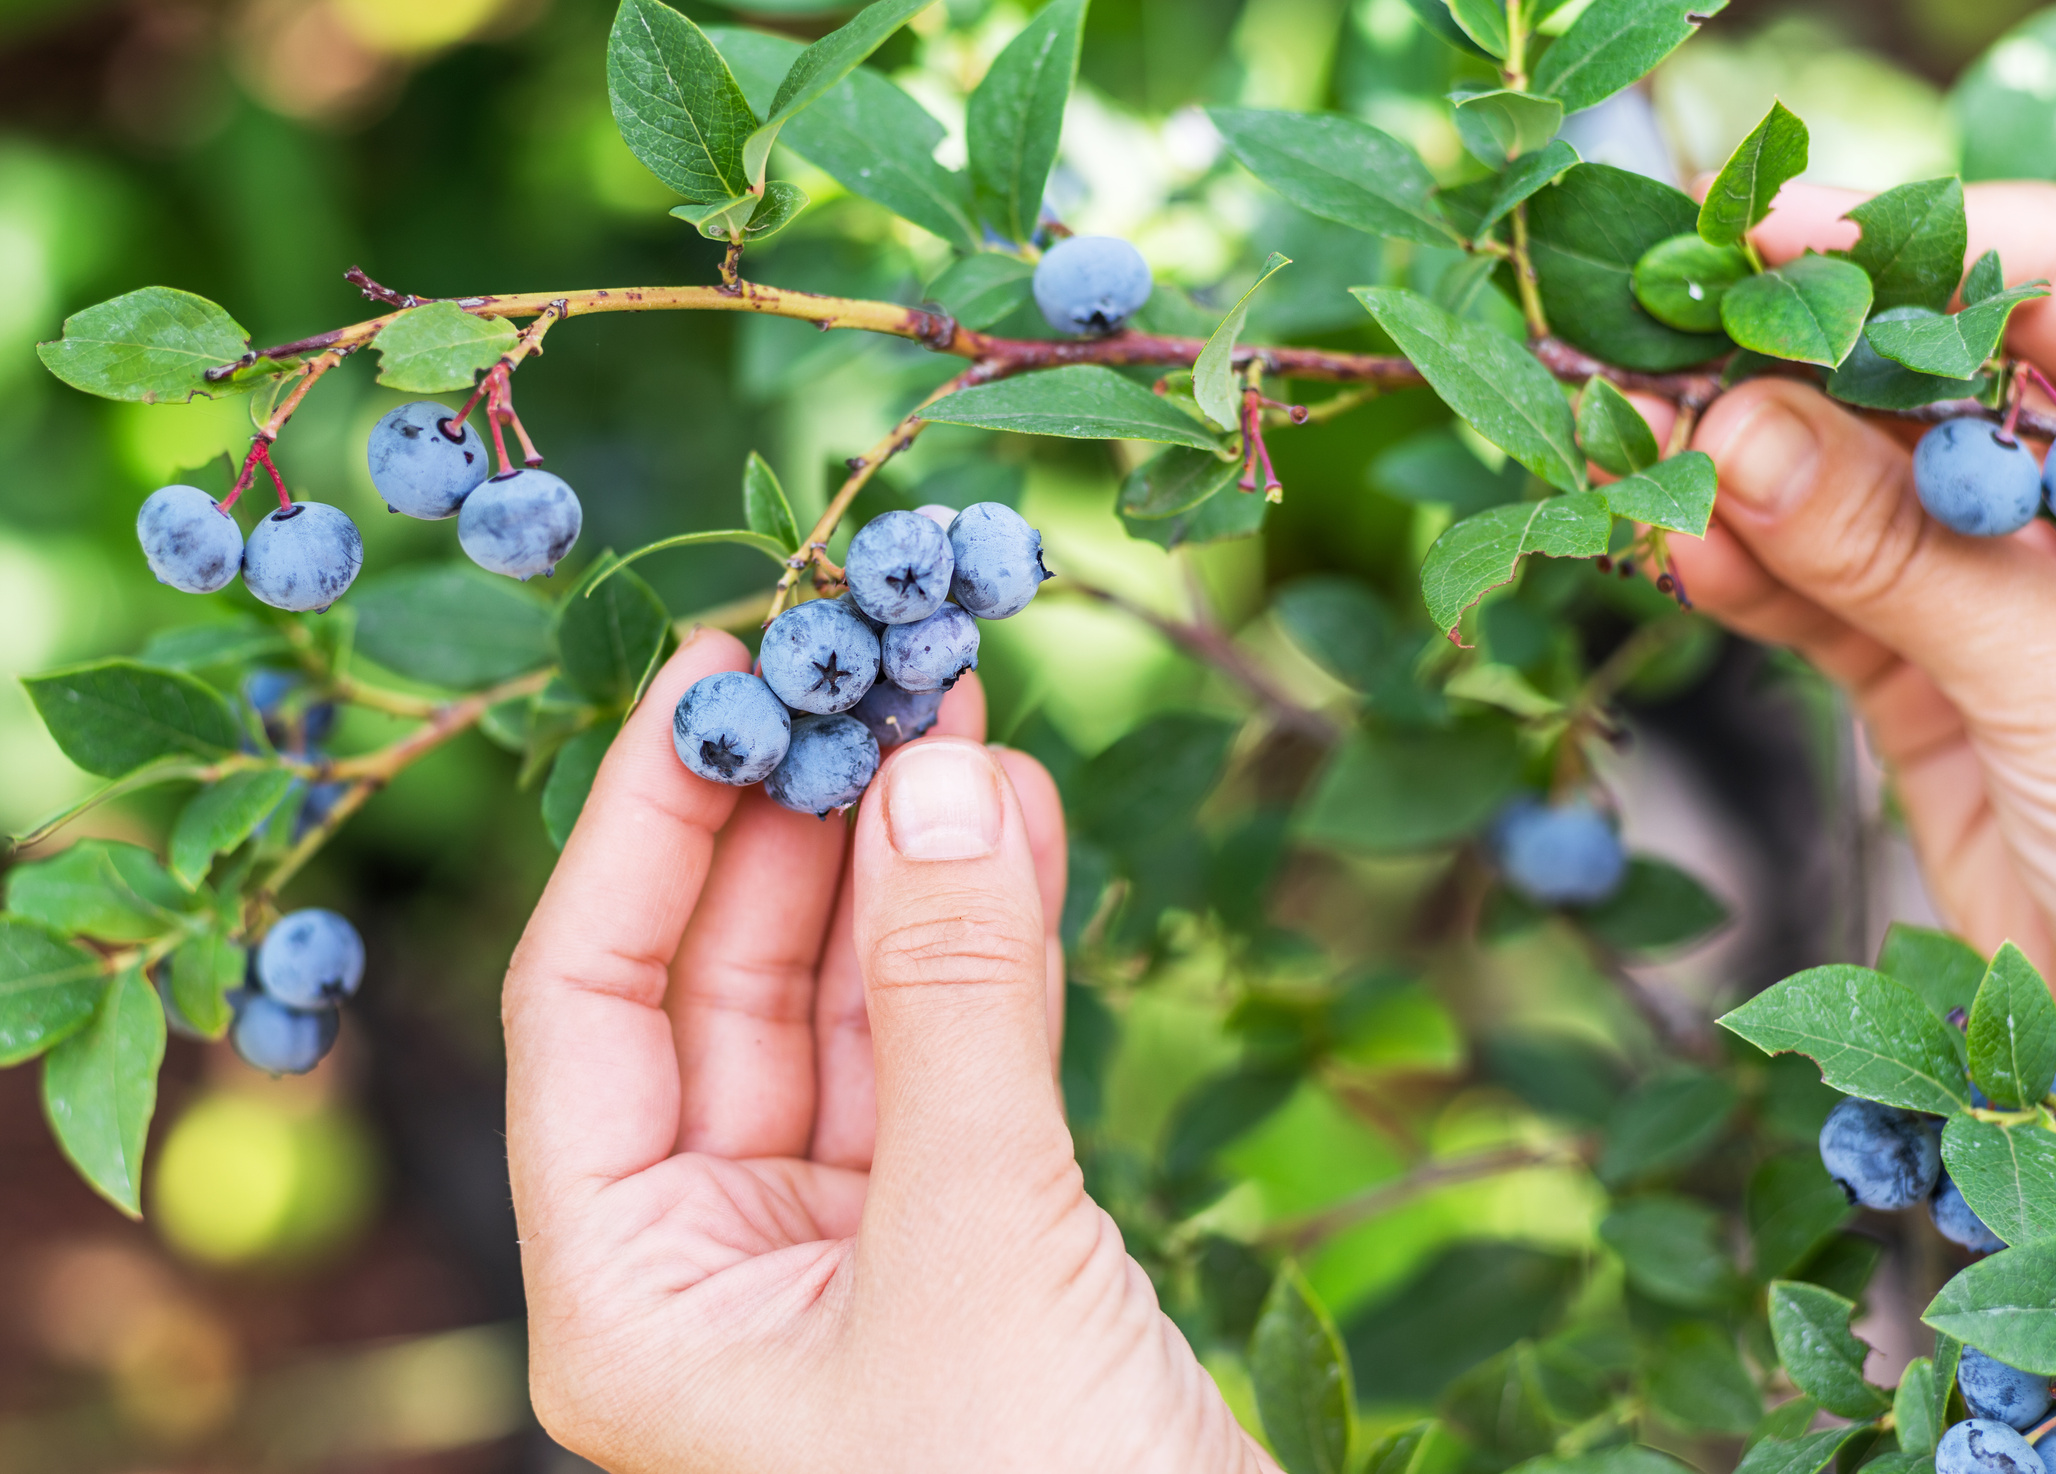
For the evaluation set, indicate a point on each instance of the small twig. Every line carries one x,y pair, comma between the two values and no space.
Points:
1301,1234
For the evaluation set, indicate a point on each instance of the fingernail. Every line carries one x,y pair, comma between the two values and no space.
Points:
942,802
1772,463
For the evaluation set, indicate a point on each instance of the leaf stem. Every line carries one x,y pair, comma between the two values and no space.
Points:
164,770
1524,277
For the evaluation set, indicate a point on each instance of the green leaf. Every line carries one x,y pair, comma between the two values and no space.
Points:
1986,279
221,816
1811,1328
451,625
1787,1421
204,971
1484,551
1484,21
2012,1032
48,988
1016,115
1622,1458
1150,782
980,290
608,629
100,1089
764,505
440,346
1944,971
1657,908
1948,1358
1393,792
1338,168
1914,239
1213,374
1500,126
1081,402
1221,1108
1870,1036
1793,1208
1676,494
1740,196
2005,1306
1301,1373
1871,380
571,780
2006,1173
820,67
1341,623
1665,1122
1614,44
1913,1409
1696,1381
780,206
678,106
1612,432
1949,345
1671,1248
1808,311
112,716
153,345
100,888
719,220
235,641
1434,14
1436,466
1177,480
1523,178
1681,282
1808,1454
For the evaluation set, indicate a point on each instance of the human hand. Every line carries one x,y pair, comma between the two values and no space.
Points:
1946,643
788,1154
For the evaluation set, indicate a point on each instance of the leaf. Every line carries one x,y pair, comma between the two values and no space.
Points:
1612,432
820,67
2012,1032
1676,494
1015,117
112,716
48,988
1502,125
440,346
154,345
1436,466
1697,1382
1949,345
1614,44
1621,1458
1523,178
1808,1454
1914,239
1944,971
980,290
721,220
1484,551
677,104
1787,1421
1671,1248
1434,14
1213,374
1948,1359
204,971
571,780
1150,782
451,625
1392,792
100,1089
1665,1122
1985,279
204,646
1340,623
1870,1036
764,505
1811,1328
1338,168
608,629
1080,402
2006,1173
1657,908
1301,1373
2005,1306
1793,1208
1741,194
1680,282
1870,379
100,888
1220,1109
221,816
1484,21
779,207
1809,311
1174,481
769,547
1471,1301
1913,1409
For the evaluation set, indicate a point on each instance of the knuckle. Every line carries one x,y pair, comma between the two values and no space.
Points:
971,942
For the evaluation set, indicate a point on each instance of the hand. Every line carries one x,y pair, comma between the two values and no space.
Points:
788,1153
1947,644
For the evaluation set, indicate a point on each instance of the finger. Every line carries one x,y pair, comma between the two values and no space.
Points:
1042,809
742,988
592,1076
1808,217
963,709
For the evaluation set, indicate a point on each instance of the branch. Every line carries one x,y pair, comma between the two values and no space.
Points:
1301,1234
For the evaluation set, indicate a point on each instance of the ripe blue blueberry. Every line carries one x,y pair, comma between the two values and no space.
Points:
729,728
1091,284
930,654
1982,1446
520,523
819,657
302,558
419,467
899,567
2004,1394
278,1040
1879,1156
1973,482
1559,855
188,541
895,716
310,959
1956,1223
828,766
998,560
849,602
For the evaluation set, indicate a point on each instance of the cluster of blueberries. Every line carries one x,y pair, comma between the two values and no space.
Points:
287,1013
1976,479
302,557
839,679
1563,854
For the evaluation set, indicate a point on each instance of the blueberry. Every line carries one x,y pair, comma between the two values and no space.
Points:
1880,1157
2004,1394
849,602
820,657
1956,1223
189,542
419,467
1559,855
315,807
278,1040
930,654
1973,482
310,959
267,692
303,557
998,558
1091,283
1981,1446
729,728
899,567
828,766
519,523
895,716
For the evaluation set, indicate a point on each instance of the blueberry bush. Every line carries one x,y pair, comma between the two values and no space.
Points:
1492,315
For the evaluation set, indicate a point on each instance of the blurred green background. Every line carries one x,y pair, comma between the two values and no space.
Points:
328,1277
